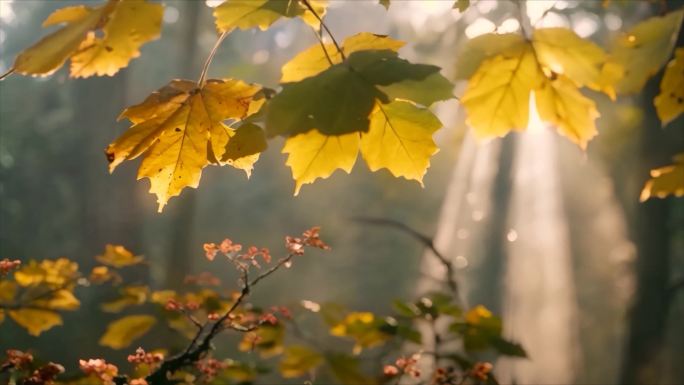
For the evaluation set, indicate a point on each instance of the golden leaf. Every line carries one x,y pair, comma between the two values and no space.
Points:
313,155
561,103
117,256
497,96
400,139
180,129
126,25
564,52
122,332
52,273
35,321
665,181
59,300
644,49
246,14
670,101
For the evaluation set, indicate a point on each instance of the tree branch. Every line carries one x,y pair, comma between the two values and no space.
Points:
313,11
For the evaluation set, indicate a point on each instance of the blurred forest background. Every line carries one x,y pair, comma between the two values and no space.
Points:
552,238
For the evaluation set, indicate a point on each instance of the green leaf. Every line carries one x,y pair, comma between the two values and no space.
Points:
461,5
644,49
298,360
346,369
508,348
122,332
427,91
246,14
338,100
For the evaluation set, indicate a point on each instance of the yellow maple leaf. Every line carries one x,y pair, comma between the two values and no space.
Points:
122,332
564,52
36,321
400,139
483,47
313,60
644,49
246,14
180,129
561,103
126,25
665,181
670,101
117,256
59,300
313,155
497,96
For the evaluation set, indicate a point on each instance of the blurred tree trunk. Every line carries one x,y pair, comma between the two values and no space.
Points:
181,249
647,318
106,217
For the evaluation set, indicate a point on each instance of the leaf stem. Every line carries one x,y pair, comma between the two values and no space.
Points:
320,40
313,11
207,63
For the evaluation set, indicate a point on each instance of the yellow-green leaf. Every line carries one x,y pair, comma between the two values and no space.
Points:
564,52
560,102
313,155
122,332
125,26
117,256
299,360
497,97
400,139
644,49
8,290
246,14
129,296
670,101
313,60
244,147
461,5
35,321
666,181
59,300
180,130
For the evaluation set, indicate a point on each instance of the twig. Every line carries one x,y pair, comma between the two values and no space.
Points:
207,63
6,74
201,343
425,240
313,11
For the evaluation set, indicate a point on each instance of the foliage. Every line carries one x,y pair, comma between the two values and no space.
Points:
203,313
337,100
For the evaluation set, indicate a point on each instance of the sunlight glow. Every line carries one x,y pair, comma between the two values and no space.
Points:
6,12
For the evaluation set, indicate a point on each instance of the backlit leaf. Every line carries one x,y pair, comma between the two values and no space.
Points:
122,332
497,97
246,14
645,48
461,5
313,155
400,140
35,321
384,3
244,147
670,101
117,256
49,273
483,47
298,360
564,52
180,130
562,104
125,26
666,181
